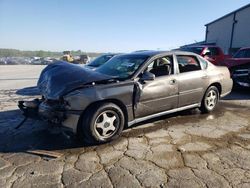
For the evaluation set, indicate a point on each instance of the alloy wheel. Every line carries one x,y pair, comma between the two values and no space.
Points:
106,124
211,99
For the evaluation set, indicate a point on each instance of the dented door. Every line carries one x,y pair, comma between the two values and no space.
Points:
155,96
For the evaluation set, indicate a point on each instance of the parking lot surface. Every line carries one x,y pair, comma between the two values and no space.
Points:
186,149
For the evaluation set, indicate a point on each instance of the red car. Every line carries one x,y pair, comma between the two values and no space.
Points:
214,54
241,57
239,67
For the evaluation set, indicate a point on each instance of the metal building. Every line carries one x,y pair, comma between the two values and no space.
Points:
231,31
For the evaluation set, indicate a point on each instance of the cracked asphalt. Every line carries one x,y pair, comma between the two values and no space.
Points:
185,149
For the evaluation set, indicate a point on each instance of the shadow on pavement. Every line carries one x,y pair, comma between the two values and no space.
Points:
38,135
32,135
238,94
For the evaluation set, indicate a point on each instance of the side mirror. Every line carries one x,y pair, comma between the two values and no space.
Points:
147,76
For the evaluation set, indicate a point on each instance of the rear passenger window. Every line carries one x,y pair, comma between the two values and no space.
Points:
188,63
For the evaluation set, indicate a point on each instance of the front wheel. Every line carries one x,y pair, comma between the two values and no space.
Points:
210,100
101,123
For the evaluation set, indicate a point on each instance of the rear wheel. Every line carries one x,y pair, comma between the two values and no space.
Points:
210,100
101,123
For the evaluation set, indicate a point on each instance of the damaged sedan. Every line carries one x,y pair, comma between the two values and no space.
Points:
129,88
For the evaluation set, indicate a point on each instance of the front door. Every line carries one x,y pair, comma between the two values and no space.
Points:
160,94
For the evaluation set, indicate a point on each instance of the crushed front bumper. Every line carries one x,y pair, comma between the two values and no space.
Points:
29,108
51,111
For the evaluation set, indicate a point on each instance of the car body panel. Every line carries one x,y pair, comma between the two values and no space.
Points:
241,75
139,99
238,59
239,67
61,77
191,86
232,62
156,96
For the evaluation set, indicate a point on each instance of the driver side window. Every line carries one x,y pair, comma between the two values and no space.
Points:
161,66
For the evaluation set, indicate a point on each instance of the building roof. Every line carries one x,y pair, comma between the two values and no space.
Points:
198,44
244,7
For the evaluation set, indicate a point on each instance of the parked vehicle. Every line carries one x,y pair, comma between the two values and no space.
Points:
239,67
99,61
242,56
67,56
241,75
83,59
3,61
214,54
128,89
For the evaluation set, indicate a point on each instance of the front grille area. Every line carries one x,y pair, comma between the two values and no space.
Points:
52,111
242,77
241,72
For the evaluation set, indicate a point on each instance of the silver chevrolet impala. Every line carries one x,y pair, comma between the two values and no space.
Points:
129,88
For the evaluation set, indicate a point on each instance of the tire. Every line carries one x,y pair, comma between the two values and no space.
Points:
210,100
101,123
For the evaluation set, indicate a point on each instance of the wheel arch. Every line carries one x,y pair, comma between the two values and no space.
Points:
217,85
203,107
117,102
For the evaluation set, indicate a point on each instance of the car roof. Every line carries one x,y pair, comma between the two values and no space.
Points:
145,52
202,46
245,48
179,52
156,53
110,54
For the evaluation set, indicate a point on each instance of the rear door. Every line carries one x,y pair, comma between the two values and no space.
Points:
191,80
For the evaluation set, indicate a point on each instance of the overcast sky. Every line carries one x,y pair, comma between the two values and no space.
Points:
107,26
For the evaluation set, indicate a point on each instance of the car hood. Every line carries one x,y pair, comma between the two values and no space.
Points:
90,67
59,78
231,62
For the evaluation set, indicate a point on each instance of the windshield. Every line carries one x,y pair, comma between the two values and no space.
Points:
196,50
100,60
244,53
123,66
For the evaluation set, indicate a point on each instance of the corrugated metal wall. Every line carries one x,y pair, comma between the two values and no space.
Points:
241,36
220,31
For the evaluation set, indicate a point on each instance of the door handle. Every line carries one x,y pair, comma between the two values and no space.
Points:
172,82
205,77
